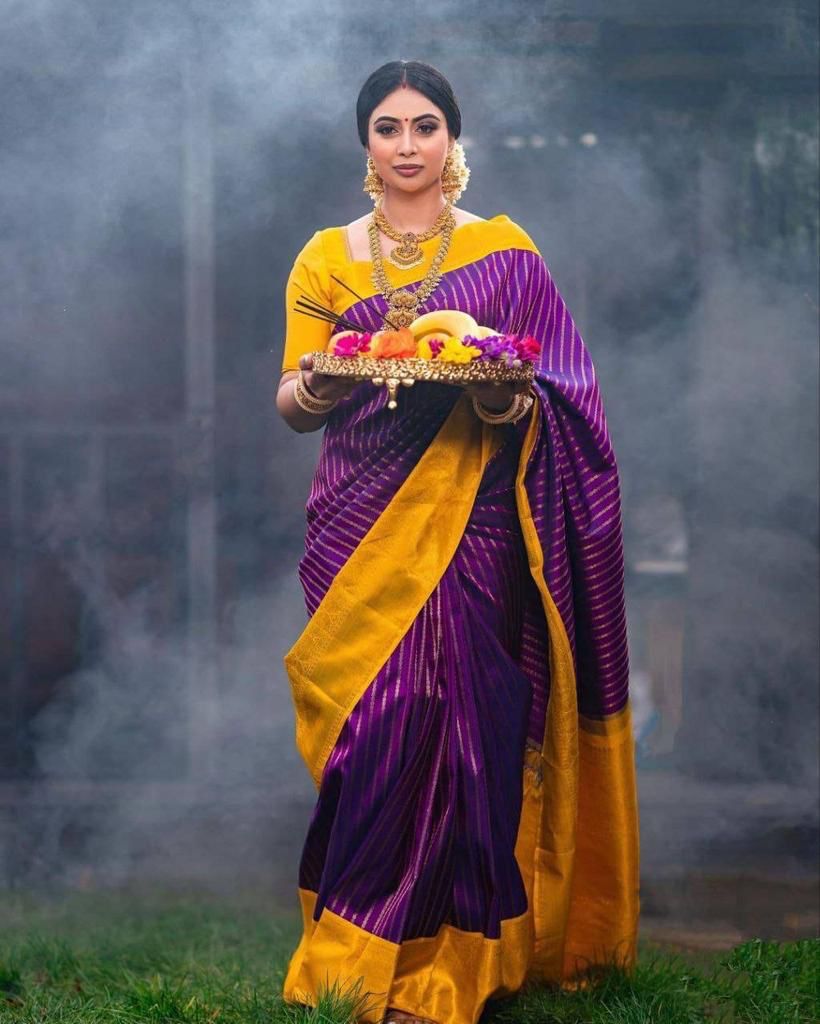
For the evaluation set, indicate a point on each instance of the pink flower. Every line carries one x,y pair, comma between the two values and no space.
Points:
351,343
529,347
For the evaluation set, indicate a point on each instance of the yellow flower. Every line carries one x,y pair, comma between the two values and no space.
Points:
455,351
423,349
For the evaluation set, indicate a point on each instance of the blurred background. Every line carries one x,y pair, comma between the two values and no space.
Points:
161,166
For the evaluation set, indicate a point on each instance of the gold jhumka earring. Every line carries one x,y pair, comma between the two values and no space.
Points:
454,176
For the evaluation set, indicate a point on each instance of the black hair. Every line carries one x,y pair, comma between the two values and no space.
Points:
416,74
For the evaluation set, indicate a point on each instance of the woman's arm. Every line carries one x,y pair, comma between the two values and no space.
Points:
496,395
320,384
297,418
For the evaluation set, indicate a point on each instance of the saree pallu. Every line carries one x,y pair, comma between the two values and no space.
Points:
461,686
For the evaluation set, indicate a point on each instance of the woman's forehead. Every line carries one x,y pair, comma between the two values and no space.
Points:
405,102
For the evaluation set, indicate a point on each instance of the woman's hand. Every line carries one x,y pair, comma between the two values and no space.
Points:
325,385
496,396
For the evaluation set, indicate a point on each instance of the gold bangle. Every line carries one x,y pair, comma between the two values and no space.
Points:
517,408
525,401
306,389
493,417
308,401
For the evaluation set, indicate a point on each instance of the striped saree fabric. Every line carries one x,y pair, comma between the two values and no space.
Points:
461,685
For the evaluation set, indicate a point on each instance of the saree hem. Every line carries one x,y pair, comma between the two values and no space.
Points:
447,977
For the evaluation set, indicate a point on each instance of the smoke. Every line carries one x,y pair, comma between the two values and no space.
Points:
705,349
147,774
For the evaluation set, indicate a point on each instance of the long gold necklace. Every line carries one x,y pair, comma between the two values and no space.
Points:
403,304
408,252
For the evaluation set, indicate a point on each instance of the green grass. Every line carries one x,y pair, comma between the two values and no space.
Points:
196,959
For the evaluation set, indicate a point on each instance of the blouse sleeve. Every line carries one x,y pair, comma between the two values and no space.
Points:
309,277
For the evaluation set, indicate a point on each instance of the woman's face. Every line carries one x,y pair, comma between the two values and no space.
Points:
408,128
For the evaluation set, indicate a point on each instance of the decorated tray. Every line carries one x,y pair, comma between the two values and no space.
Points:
444,345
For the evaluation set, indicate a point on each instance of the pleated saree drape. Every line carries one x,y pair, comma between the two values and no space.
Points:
461,685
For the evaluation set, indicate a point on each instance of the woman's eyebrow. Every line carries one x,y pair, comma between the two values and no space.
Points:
386,117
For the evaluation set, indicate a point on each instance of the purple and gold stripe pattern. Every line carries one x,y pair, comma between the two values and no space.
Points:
420,801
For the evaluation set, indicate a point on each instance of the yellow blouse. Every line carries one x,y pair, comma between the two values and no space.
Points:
327,252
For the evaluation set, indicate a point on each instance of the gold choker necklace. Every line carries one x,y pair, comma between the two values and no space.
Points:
408,253
403,304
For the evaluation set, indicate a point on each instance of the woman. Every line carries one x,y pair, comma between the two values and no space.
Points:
461,684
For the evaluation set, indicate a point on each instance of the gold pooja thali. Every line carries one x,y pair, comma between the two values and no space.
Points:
435,347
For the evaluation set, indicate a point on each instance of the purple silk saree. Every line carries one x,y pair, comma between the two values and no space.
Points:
461,687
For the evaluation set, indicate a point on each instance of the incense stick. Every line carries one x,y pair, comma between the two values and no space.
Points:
365,301
324,319
314,316
327,314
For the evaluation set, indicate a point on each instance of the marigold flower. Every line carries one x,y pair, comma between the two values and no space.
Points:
393,344
455,351
429,348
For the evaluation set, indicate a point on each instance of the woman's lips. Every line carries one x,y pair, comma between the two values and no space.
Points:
407,172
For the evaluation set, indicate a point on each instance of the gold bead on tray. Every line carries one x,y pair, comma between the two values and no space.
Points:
407,370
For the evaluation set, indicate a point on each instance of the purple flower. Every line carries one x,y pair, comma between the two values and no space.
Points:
507,348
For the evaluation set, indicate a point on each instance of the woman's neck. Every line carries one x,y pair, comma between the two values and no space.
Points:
414,212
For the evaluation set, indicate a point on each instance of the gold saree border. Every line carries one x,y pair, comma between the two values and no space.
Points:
558,794
385,582
576,846
444,977
586,884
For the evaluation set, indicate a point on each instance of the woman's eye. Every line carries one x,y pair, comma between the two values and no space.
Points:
385,129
